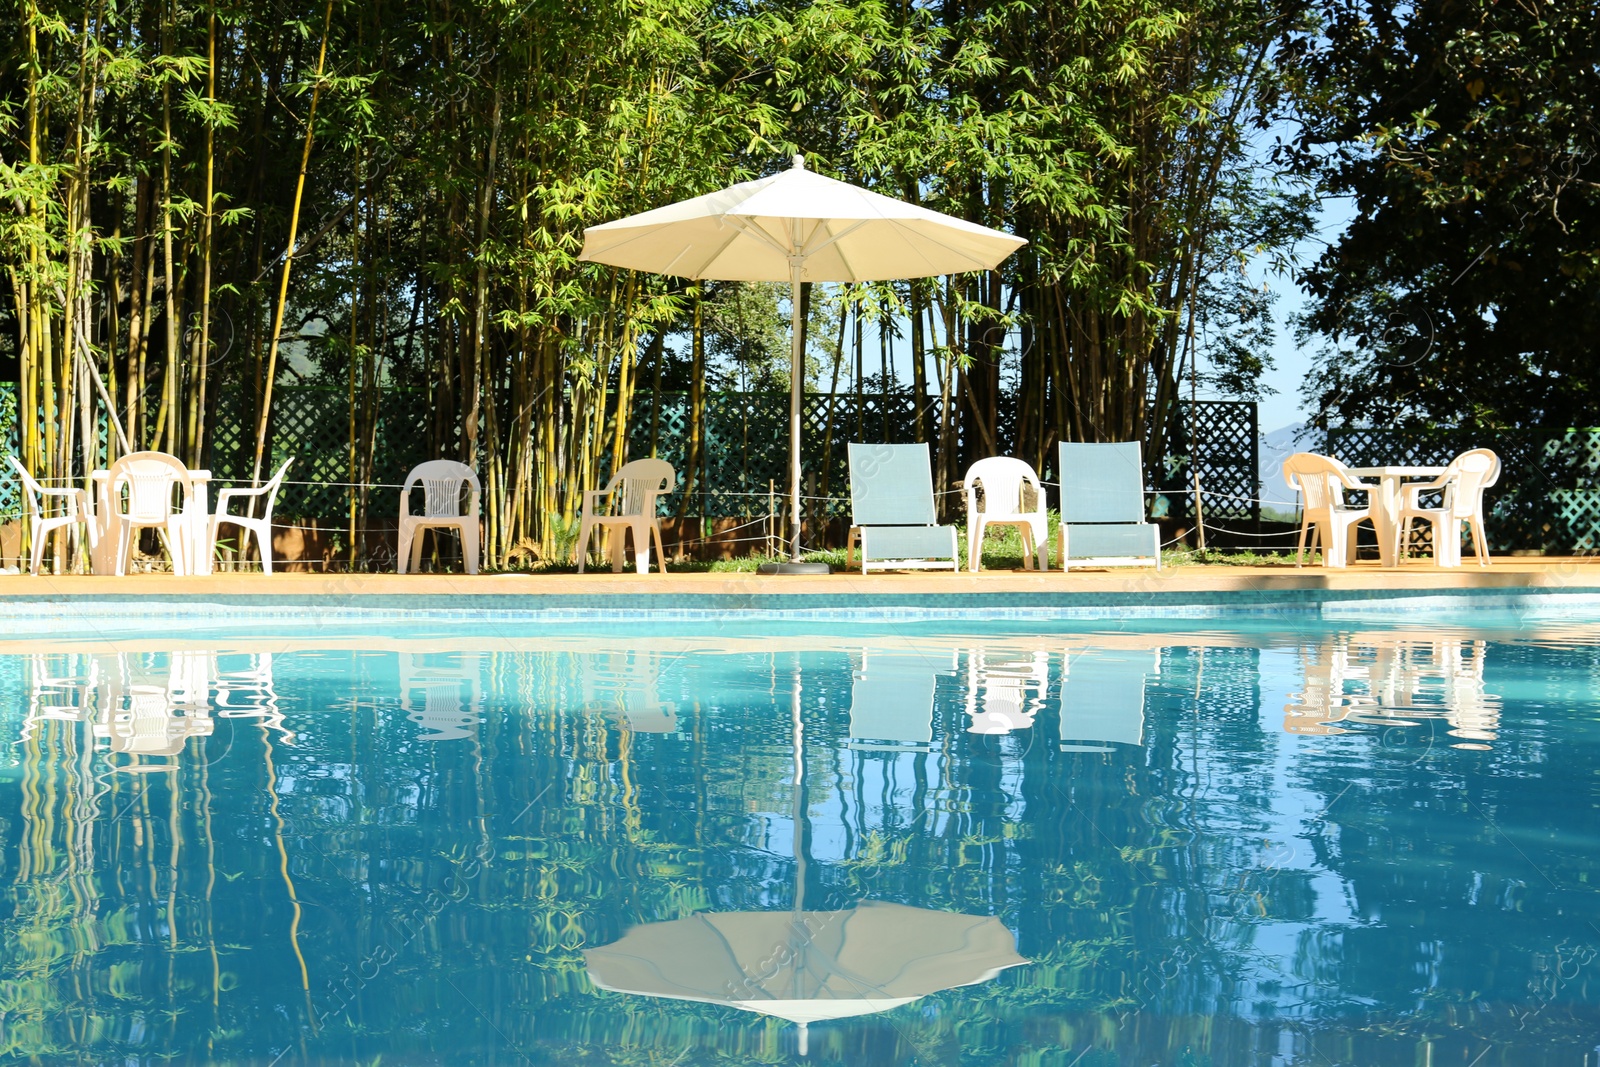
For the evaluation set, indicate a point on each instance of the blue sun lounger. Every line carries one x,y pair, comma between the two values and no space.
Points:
1102,507
891,510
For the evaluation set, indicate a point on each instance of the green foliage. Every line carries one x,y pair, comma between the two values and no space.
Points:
1465,136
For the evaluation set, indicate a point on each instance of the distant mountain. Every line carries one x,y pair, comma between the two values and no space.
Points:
1275,448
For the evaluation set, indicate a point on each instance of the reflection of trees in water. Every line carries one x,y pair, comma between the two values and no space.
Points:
1165,895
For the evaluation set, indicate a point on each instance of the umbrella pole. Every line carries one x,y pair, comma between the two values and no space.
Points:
797,384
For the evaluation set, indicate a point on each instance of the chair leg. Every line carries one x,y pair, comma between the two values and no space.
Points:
469,546
585,528
402,549
416,546
1300,545
617,536
641,547
1480,543
263,546
124,548
38,550
1028,547
661,549
975,544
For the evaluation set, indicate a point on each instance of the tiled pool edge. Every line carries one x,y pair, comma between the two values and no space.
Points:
53,613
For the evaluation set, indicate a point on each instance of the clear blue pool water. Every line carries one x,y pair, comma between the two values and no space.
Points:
1270,842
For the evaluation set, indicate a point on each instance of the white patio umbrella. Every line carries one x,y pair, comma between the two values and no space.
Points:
796,226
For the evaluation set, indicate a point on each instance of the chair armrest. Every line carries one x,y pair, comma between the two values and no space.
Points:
79,502
591,498
1350,481
225,495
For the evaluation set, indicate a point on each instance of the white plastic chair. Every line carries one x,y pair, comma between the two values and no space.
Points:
450,693
441,481
260,525
1462,484
633,490
139,496
1002,479
1322,481
79,510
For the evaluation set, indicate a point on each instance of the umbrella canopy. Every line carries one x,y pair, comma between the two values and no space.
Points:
809,965
796,226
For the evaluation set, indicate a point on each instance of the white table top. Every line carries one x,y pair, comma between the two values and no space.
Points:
1397,472
201,475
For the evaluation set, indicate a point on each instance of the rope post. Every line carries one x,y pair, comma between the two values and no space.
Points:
1199,515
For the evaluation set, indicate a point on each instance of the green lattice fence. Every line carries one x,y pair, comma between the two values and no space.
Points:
10,488
1548,496
1219,440
746,445
745,449
312,424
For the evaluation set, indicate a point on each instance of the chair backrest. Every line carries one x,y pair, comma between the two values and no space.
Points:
30,488
441,481
273,486
639,482
891,485
1470,474
1102,482
1002,479
1320,479
149,478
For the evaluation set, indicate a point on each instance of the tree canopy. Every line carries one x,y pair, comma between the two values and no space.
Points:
1464,133
206,202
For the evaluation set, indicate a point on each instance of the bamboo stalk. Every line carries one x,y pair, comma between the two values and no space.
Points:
263,416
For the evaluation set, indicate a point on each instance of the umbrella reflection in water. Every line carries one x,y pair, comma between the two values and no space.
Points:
808,966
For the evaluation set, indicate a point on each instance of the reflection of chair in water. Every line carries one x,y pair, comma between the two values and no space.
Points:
244,690
1102,698
1472,712
449,685
1436,678
623,685
1323,701
148,712
1397,679
1005,688
60,687
891,700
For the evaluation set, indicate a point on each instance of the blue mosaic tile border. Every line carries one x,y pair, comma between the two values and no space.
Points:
25,616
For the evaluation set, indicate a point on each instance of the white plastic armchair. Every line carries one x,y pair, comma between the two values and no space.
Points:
1322,481
441,481
260,525
40,502
139,495
1462,485
633,491
1002,479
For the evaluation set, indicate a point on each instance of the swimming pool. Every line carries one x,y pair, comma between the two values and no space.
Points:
1254,841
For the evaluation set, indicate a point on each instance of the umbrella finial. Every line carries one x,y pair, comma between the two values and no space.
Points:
799,161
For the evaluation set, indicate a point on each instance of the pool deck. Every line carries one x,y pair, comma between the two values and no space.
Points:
1212,584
